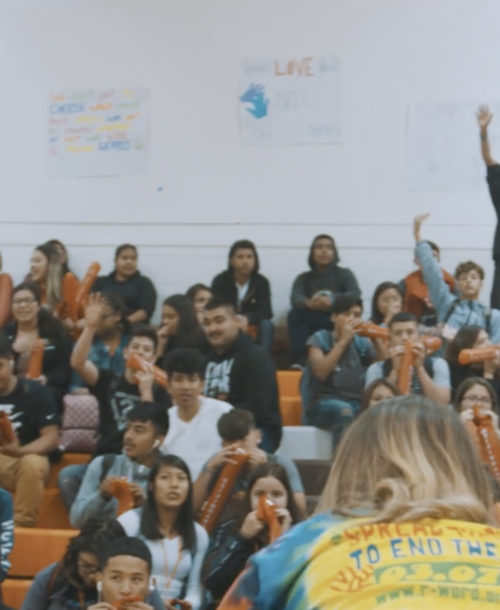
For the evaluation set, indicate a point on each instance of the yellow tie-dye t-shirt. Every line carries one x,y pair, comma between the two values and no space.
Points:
329,563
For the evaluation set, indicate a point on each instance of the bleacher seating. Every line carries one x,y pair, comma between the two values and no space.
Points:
290,400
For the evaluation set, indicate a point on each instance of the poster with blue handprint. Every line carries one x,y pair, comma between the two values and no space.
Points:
290,100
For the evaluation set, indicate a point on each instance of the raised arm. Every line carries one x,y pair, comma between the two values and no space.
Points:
79,358
484,118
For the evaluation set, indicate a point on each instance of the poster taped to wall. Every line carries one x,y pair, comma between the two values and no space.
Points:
443,148
290,100
97,132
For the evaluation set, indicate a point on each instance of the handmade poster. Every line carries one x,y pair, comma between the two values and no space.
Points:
443,148
290,100
97,132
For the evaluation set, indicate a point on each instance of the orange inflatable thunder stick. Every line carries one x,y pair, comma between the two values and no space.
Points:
120,489
486,440
222,488
479,354
7,433
36,359
266,511
137,364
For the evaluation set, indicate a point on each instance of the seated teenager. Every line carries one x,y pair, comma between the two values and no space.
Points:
476,391
136,290
179,327
5,295
147,425
199,294
377,391
406,496
386,301
313,293
71,582
249,291
472,337
116,394
192,433
241,372
430,376
333,381
238,431
46,271
166,523
24,465
62,252
247,533
124,577
32,321
111,338
416,298
454,312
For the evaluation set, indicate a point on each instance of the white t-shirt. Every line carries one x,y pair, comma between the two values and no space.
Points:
171,571
195,441
242,290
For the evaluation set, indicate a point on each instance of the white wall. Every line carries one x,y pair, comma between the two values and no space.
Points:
187,54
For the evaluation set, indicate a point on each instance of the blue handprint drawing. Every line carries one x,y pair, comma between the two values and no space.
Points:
255,95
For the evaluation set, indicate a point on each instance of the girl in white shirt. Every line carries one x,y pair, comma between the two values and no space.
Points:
166,523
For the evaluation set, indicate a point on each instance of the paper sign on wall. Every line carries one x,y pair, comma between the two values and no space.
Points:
97,132
443,148
291,100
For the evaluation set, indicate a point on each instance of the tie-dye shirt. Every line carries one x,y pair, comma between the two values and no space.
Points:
332,563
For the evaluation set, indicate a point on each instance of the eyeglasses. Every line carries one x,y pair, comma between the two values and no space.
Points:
86,568
484,400
25,301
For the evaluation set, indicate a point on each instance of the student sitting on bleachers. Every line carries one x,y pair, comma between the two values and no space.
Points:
71,582
377,391
249,291
245,534
6,536
32,411
166,523
200,295
136,290
32,321
454,312
430,376
472,337
313,293
192,432
416,298
46,271
116,394
147,425
179,327
5,295
334,378
124,578
241,372
238,431
386,301
111,338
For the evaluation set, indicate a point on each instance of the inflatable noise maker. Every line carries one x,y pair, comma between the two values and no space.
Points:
431,344
484,435
123,602
74,293
372,331
120,489
222,488
266,512
7,433
479,354
137,364
35,363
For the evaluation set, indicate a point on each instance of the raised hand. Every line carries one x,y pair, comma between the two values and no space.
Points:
483,116
417,224
94,310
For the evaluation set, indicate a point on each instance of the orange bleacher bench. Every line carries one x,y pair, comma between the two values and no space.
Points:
14,591
290,400
35,549
67,459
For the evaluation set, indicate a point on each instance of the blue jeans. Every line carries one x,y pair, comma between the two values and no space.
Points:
69,482
333,414
271,438
302,323
266,334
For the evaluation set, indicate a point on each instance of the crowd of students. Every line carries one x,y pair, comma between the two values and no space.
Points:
191,408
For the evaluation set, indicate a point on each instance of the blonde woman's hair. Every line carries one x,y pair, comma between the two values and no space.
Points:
405,459
54,274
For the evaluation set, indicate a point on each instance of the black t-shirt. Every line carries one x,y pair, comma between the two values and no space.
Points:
30,407
116,396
